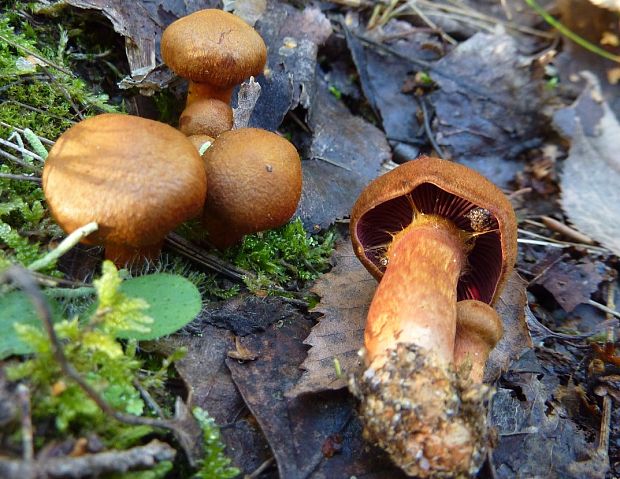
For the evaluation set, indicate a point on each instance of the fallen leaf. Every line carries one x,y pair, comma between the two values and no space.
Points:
511,307
293,38
244,314
207,379
570,281
141,23
536,437
346,153
345,292
488,105
298,428
589,183
397,110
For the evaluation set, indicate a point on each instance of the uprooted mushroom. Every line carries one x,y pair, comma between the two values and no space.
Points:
434,233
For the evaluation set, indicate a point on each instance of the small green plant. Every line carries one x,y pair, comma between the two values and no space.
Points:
215,464
285,254
92,348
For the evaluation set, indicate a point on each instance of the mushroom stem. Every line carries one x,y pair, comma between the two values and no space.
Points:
415,302
478,329
413,403
200,90
125,256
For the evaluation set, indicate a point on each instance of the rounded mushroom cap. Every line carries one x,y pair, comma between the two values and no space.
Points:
213,46
137,178
206,116
254,184
453,191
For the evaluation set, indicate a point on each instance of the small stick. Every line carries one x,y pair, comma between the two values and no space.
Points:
604,308
249,91
64,246
14,159
263,467
23,397
428,129
21,149
90,465
10,176
43,140
559,227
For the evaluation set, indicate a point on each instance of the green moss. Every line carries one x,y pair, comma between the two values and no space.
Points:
215,464
38,92
284,255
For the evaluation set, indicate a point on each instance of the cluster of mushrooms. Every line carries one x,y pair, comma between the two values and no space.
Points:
440,238
139,179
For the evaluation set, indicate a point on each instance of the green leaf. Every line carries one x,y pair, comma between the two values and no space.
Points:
174,301
16,307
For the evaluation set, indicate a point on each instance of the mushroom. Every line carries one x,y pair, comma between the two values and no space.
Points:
216,51
254,184
206,116
478,329
434,233
137,178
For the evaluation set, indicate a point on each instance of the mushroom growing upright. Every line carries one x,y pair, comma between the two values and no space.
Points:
434,233
137,178
254,184
215,51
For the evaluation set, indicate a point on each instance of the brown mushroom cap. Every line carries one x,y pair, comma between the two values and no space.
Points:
450,190
254,184
206,116
213,46
137,178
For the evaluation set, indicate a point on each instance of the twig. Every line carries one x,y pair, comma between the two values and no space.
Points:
40,110
260,469
64,246
248,95
185,248
559,227
22,150
603,438
10,176
90,465
604,308
430,23
427,127
43,140
23,397
14,159
148,399
65,93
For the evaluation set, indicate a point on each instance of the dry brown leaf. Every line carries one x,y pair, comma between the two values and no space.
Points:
590,194
511,308
345,294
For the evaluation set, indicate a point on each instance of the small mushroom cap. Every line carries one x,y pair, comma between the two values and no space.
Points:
137,178
206,116
254,184
450,190
213,46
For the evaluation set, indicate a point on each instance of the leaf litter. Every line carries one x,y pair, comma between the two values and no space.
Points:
489,109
